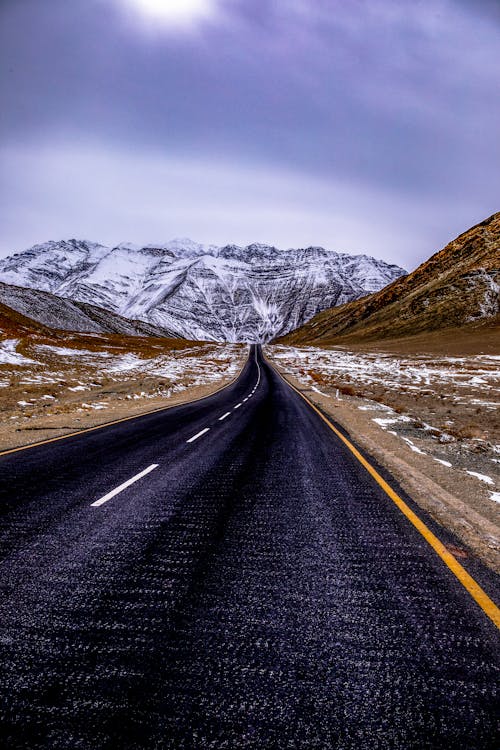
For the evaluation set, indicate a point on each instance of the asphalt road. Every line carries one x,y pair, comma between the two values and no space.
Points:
254,589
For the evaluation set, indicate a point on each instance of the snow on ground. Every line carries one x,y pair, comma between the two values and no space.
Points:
383,422
460,382
205,367
195,366
418,372
78,370
442,461
481,477
64,351
10,356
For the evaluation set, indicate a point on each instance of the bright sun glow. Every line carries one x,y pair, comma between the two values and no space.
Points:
175,12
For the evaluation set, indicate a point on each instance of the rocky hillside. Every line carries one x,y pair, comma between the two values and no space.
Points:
226,293
458,285
69,315
13,323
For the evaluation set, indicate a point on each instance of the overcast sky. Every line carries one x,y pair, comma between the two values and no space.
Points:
360,125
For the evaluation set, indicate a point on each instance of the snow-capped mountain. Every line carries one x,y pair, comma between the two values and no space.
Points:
228,293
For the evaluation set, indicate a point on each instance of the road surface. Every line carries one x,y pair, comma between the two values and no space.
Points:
226,574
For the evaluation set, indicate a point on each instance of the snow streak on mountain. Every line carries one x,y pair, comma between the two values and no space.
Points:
226,293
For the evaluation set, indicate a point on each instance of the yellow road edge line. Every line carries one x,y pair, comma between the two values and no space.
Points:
473,588
123,419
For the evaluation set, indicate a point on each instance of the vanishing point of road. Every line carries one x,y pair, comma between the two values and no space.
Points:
229,574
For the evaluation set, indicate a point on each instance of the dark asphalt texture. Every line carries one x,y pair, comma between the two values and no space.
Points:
256,590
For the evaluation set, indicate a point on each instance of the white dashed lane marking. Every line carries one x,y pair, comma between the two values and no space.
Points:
227,414
117,490
198,435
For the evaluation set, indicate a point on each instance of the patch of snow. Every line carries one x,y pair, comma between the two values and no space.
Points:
384,422
482,477
445,438
129,362
313,388
9,355
413,447
63,351
442,461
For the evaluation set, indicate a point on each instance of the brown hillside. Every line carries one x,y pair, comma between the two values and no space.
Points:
29,332
13,323
456,286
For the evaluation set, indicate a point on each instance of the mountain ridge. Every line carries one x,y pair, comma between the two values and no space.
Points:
229,293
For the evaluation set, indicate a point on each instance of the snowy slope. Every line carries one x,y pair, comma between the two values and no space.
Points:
228,293
71,315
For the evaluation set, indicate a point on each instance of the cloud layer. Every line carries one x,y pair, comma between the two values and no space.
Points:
363,126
